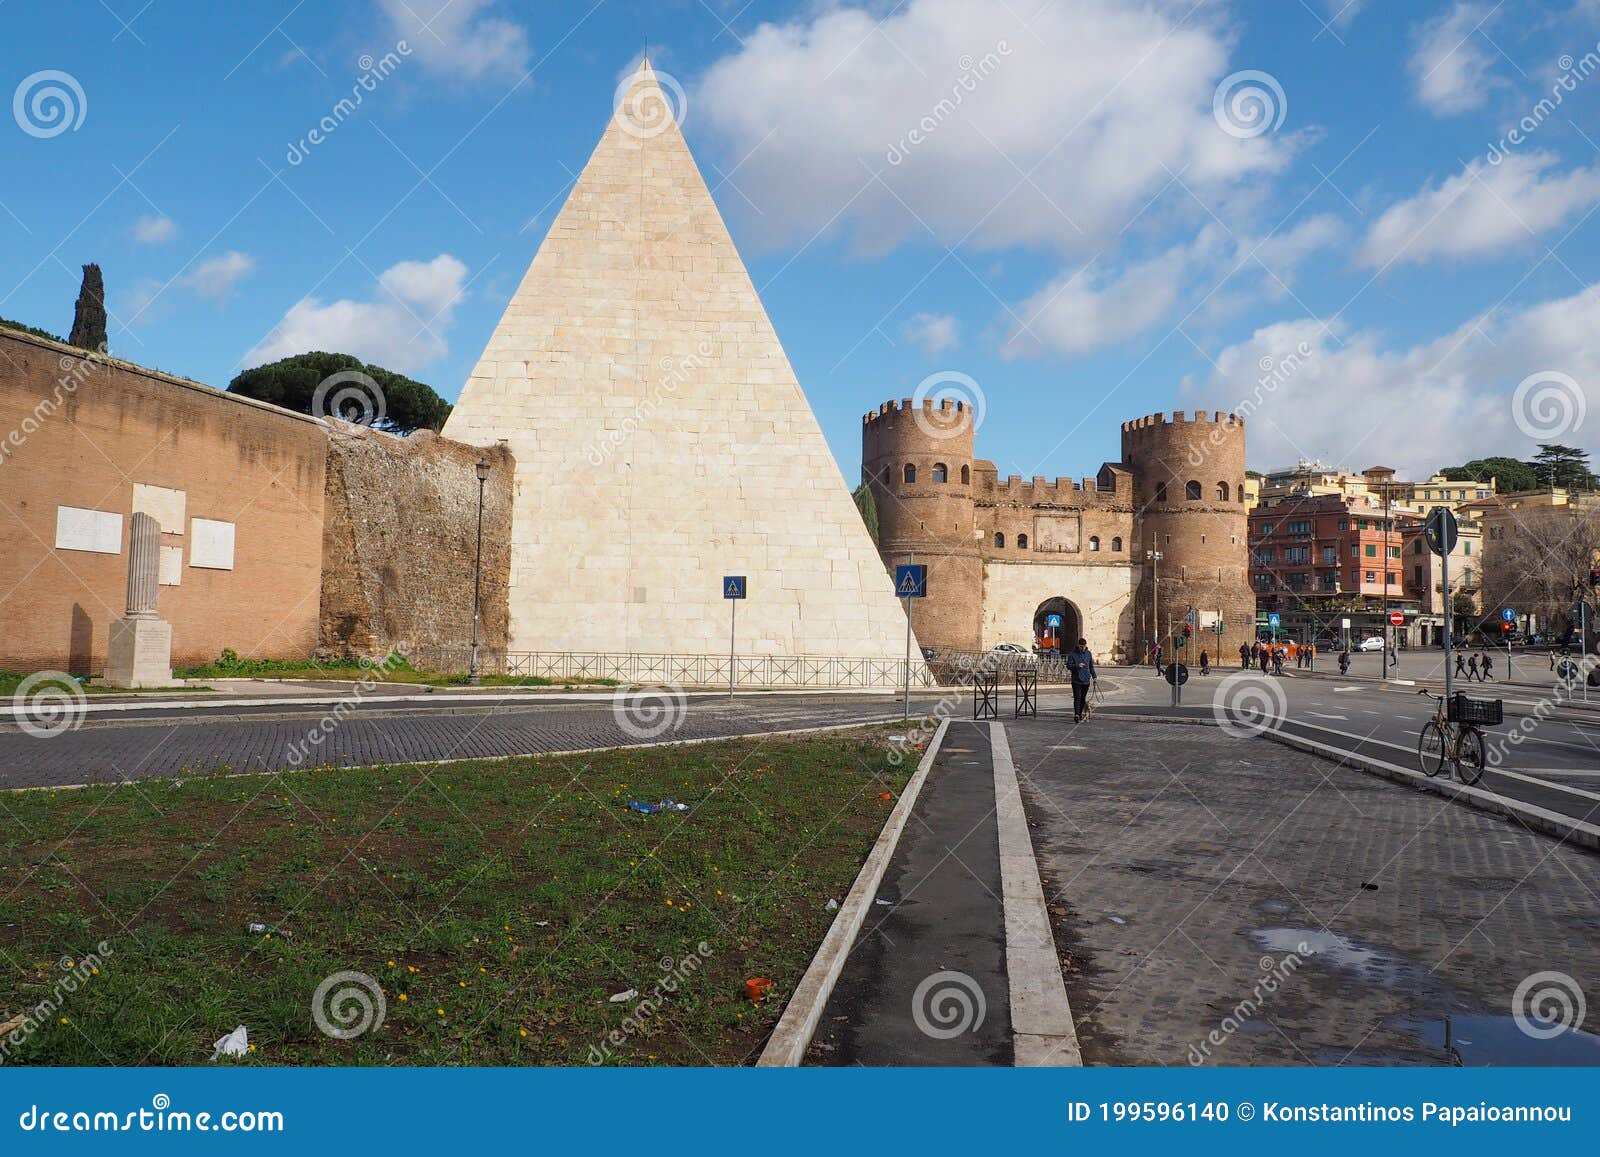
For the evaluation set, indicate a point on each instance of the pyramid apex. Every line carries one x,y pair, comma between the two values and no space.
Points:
647,103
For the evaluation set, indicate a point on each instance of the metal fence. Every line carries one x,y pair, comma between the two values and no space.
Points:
800,671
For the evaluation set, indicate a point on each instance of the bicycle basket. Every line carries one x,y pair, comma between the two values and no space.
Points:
1483,712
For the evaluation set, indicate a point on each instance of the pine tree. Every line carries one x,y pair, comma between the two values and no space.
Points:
89,320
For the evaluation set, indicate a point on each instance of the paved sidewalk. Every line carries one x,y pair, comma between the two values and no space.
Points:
942,915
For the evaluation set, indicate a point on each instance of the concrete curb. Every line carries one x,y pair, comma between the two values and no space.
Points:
792,1035
1042,1032
1563,827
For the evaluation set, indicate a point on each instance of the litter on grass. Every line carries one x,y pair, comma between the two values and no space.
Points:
626,994
650,809
256,928
235,1044
831,905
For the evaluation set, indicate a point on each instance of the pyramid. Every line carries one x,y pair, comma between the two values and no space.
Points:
662,440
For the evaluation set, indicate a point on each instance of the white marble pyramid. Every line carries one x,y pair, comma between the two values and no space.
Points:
662,440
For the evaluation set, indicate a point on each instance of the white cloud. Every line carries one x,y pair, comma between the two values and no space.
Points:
154,230
457,38
980,129
1283,252
1450,59
1083,311
1354,402
934,332
1485,209
398,330
1342,13
215,277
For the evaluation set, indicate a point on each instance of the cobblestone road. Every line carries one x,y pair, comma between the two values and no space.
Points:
1185,869
268,741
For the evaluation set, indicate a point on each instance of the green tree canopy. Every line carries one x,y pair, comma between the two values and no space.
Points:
342,386
1567,466
868,507
1511,474
89,316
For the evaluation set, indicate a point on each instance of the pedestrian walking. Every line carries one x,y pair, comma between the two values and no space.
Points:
1264,658
1244,658
1472,667
1488,667
1344,662
1080,663
1205,663
1461,664
1277,661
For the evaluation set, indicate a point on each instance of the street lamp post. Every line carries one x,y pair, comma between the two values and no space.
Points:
474,678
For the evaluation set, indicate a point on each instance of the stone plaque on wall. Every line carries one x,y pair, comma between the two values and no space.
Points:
171,566
1062,532
164,505
99,531
211,544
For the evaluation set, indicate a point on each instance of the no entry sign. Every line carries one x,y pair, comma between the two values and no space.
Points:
1396,619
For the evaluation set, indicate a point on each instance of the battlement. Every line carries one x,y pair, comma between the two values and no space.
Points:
909,405
1180,418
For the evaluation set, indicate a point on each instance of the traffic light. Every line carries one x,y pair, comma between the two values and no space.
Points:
1507,628
1594,577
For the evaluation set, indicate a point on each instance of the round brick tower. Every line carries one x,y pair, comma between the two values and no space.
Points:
1189,505
917,458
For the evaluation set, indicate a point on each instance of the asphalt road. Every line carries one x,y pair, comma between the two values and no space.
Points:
1553,761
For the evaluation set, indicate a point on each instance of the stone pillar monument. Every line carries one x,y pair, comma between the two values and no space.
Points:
141,644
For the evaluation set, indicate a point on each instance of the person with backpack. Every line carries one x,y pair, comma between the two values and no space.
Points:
1080,665
1344,661
1472,667
1461,664
1488,667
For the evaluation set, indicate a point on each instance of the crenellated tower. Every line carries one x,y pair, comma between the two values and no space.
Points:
1189,491
917,458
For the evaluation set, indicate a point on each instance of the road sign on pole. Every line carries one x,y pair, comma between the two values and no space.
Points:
734,587
1508,615
1441,530
910,582
1396,619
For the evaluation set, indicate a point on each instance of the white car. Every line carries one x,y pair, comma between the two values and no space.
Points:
1011,651
1370,643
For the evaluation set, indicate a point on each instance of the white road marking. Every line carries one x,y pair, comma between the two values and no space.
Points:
1320,715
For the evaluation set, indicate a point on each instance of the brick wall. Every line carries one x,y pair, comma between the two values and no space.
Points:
399,543
99,435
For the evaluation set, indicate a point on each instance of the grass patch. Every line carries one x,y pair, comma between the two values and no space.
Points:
514,896
393,670
10,681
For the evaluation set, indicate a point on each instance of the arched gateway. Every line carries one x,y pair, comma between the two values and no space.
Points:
1057,625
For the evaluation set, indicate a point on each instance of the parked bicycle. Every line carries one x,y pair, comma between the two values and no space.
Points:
1454,735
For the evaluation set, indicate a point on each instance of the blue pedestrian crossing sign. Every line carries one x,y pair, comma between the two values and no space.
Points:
1509,615
1052,620
1273,619
911,581
733,586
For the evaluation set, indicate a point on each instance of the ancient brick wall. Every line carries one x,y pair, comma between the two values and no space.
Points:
399,543
237,485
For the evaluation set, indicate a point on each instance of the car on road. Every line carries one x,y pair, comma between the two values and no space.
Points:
1370,643
1012,651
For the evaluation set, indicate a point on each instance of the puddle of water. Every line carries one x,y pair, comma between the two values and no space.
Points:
1480,1039
1336,950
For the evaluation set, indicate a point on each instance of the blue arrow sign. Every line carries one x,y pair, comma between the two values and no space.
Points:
733,586
1509,615
911,581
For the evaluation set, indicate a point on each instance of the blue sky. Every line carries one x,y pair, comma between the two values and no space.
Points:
1057,200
